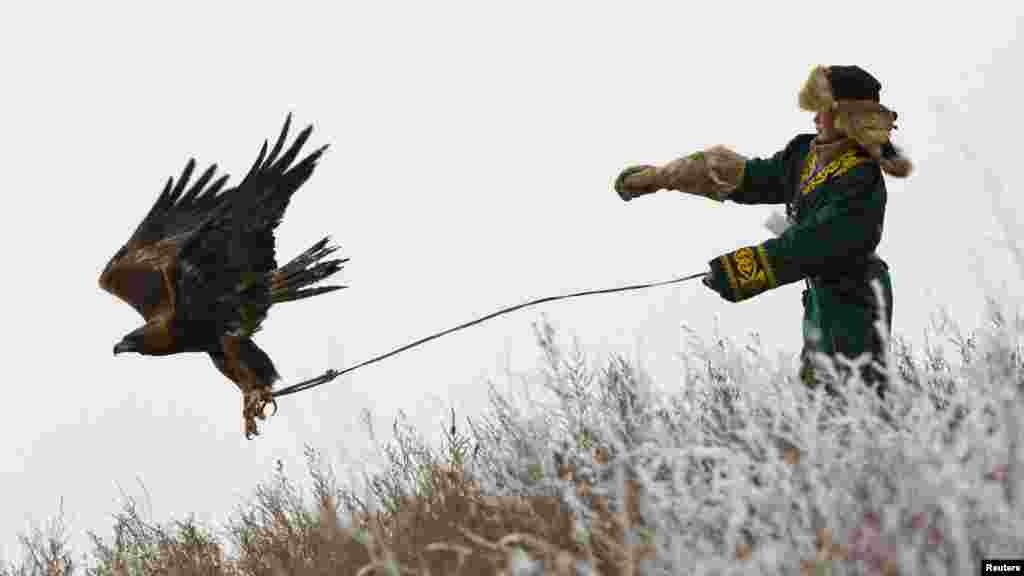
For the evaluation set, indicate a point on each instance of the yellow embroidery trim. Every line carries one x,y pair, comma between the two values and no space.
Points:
729,276
748,272
767,267
809,162
843,163
746,268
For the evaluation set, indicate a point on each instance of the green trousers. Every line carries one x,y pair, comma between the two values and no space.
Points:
839,317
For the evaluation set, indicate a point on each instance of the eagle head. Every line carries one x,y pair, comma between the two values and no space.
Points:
134,341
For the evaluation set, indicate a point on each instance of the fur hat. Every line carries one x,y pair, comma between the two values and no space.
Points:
852,94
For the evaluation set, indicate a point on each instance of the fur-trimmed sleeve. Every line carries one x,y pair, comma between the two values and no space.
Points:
772,180
713,173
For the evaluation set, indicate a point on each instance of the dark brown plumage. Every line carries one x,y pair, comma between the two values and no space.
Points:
201,268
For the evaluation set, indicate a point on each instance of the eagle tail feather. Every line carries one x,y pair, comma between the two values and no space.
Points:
291,281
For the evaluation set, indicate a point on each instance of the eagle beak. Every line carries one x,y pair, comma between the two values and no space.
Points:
124,346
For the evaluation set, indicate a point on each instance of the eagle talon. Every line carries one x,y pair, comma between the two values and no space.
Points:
262,400
251,431
253,403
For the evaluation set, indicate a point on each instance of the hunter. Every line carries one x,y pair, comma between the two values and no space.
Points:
833,186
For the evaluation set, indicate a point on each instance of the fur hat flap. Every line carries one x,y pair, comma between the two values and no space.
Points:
816,93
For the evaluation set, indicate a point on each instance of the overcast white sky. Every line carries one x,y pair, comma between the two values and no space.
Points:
473,148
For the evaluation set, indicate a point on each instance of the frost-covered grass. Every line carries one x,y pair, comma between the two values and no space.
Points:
734,470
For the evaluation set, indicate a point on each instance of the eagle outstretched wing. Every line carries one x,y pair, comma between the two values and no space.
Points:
138,272
216,238
226,262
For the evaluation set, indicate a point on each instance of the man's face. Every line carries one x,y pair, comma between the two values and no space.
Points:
824,122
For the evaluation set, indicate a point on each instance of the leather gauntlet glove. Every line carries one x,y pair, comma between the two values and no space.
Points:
637,180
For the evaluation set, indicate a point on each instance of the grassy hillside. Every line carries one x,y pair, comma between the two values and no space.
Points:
734,470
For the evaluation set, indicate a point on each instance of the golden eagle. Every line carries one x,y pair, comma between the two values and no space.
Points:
201,270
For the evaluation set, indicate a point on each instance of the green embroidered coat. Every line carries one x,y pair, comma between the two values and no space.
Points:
836,220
